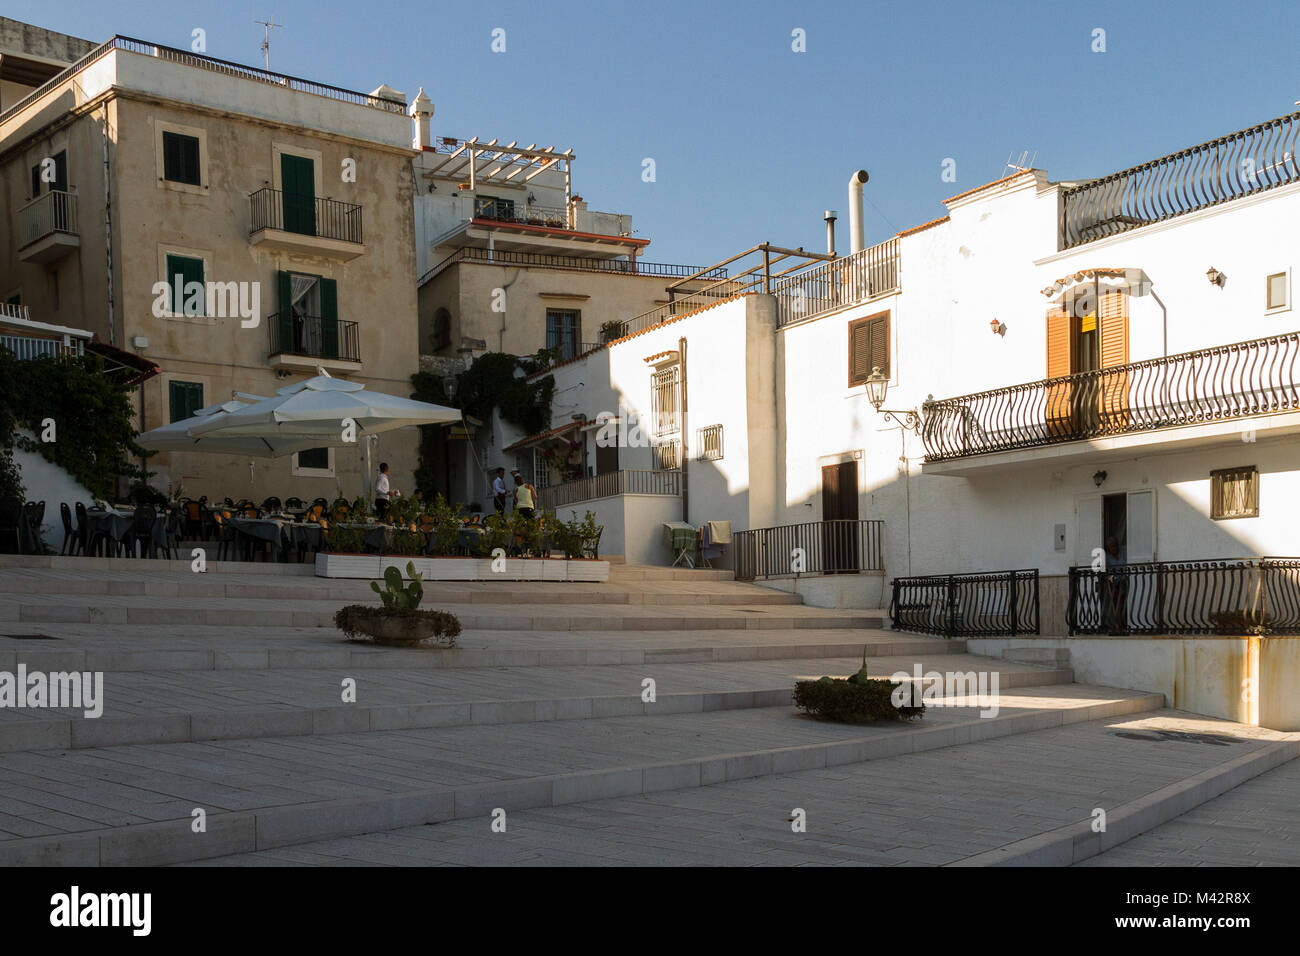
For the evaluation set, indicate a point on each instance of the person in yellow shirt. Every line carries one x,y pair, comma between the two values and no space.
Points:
525,497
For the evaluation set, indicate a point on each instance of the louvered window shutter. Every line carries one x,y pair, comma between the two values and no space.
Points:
1057,398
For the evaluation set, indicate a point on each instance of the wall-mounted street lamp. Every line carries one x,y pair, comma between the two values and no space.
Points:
1215,276
877,385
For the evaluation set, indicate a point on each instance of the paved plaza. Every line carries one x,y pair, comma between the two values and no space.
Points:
229,699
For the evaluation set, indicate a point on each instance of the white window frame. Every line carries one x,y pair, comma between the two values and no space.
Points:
297,472
1286,304
163,126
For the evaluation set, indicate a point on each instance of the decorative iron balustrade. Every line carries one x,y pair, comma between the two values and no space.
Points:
1227,596
988,604
1256,377
854,278
541,260
305,215
629,482
211,64
840,546
55,211
313,336
1240,164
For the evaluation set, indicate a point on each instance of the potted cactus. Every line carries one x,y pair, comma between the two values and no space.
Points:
399,622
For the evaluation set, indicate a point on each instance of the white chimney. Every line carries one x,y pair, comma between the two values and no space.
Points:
857,234
421,109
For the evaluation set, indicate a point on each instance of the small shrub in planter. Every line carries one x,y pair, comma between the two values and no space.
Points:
858,699
399,622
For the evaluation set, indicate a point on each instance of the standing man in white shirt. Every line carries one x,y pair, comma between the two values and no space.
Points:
499,491
381,492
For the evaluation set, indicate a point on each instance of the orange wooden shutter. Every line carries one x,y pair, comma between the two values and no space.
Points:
1114,352
1059,419
880,344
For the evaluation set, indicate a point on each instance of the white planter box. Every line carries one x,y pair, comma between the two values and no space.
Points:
371,567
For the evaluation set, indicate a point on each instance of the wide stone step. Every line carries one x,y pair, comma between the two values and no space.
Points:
158,707
134,805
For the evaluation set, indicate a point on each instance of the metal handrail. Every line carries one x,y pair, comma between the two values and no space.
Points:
310,216
307,337
1255,377
542,260
837,546
201,61
626,482
871,272
51,212
1240,164
1226,596
984,604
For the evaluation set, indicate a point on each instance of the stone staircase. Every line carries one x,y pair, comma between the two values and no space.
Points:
224,692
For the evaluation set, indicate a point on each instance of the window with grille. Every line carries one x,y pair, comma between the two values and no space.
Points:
1234,493
709,441
665,401
564,332
666,455
868,347
541,471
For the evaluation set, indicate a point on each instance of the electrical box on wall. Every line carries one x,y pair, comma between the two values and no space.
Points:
1058,539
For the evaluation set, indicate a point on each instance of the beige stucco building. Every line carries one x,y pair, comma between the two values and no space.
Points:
235,227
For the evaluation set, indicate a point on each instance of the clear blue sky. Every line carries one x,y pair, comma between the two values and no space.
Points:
752,140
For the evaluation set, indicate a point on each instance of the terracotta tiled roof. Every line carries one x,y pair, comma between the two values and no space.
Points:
996,182
922,227
659,355
541,436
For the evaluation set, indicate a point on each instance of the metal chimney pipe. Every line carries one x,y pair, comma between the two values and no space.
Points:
857,233
830,218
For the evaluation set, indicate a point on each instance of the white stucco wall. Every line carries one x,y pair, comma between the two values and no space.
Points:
44,481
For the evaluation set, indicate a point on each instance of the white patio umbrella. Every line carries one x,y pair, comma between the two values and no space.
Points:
177,437
317,410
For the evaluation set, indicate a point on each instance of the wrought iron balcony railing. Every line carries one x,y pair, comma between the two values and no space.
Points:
541,260
305,215
56,211
1233,596
989,604
313,336
841,546
1257,377
532,214
628,482
1230,167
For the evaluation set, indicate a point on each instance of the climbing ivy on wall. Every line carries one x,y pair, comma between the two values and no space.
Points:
88,414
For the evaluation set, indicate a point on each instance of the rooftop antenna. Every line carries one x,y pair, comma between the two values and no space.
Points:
1020,165
266,43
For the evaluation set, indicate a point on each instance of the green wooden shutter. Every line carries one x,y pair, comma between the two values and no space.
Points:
181,271
185,399
329,318
298,186
285,315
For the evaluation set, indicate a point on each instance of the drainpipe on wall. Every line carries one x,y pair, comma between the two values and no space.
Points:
686,497
108,251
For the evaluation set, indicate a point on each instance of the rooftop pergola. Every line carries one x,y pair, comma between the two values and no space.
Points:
487,163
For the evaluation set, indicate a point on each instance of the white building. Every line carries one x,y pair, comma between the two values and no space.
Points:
1047,432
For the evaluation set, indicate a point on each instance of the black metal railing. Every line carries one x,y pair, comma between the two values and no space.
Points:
314,336
531,214
842,546
541,260
1257,377
305,215
211,64
988,604
1228,596
1240,164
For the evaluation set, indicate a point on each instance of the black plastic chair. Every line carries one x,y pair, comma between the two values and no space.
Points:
31,519
193,518
69,533
11,513
225,536
142,531
271,505
83,531
294,504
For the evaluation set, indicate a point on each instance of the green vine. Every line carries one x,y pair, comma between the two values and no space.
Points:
90,415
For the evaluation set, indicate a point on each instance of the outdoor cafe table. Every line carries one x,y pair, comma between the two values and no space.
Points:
116,525
284,534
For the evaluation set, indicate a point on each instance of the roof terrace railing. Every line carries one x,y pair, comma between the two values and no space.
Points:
1240,164
833,285
212,64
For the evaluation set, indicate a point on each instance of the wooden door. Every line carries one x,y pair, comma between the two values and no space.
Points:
840,505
